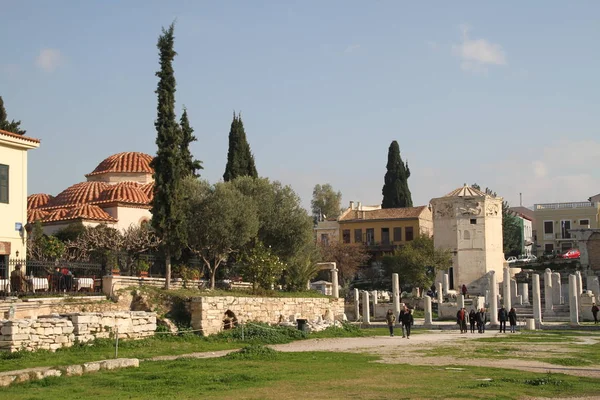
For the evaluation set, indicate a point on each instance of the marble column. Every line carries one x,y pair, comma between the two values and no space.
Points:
356,304
396,293
365,305
513,291
440,294
506,296
428,313
480,303
374,294
579,282
524,291
446,283
556,288
460,301
487,296
537,300
335,287
493,314
548,290
573,300
593,284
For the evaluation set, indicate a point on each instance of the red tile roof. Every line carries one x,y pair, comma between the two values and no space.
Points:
382,214
129,162
148,190
80,193
27,138
124,192
37,200
87,212
36,215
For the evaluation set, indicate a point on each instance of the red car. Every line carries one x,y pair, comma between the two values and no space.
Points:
572,253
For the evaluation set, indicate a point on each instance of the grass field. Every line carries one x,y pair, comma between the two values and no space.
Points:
318,375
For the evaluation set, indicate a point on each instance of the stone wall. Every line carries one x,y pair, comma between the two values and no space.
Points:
32,308
208,312
53,332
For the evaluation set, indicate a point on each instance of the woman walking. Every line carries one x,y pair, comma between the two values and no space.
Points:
407,321
472,320
391,320
512,319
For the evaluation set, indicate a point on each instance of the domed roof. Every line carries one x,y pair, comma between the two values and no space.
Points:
124,192
148,190
466,191
80,193
56,215
87,212
129,162
37,200
34,215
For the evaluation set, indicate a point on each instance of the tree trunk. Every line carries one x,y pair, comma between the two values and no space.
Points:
167,269
213,273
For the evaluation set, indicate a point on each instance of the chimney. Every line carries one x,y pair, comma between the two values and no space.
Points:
362,215
351,205
359,205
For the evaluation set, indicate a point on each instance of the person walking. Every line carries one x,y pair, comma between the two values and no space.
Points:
502,317
595,312
472,320
512,319
464,290
461,320
391,320
407,321
481,320
400,319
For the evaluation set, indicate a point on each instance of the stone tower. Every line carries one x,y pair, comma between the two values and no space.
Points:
469,223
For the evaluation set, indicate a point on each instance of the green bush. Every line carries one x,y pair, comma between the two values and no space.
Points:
258,332
253,352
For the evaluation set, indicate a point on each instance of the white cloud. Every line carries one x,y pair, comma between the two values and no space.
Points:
351,48
477,54
49,59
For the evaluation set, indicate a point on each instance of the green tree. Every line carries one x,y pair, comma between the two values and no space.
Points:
70,232
396,193
220,222
190,166
511,227
284,225
416,262
301,269
348,258
167,214
326,202
9,126
240,161
261,267
42,247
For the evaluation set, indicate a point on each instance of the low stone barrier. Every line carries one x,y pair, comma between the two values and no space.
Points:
55,331
24,375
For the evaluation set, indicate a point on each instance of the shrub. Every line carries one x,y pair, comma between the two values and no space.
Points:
253,352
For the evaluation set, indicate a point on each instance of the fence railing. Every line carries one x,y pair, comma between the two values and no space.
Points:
32,276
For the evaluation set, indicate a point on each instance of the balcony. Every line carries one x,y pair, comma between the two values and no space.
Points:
563,206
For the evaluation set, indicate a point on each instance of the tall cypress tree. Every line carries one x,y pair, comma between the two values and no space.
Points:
240,161
6,125
167,210
190,166
395,189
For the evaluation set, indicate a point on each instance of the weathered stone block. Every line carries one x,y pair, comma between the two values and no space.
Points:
91,366
72,370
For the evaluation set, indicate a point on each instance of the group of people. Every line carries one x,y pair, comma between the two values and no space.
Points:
62,280
472,318
405,318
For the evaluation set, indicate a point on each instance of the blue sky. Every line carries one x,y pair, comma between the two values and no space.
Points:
505,94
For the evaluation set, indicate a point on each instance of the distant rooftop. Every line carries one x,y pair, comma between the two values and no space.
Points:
558,206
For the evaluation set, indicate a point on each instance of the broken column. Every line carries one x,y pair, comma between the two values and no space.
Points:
396,293
356,304
548,290
428,313
556,289
513,292
366,312
579,282
493,299
573,297
524,291
446,283
440,294
460,301
506,296
537,300
335,288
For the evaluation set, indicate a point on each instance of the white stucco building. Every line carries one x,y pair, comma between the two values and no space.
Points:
13,195
118,193
469,223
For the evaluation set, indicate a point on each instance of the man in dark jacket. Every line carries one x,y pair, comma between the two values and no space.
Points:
481,320
400,319
407,321
502,317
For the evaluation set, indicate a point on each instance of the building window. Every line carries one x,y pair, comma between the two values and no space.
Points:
549,247
385,235
584,222
397,235
325,239
358,236
548,227
467,235
3,183
408,231
473,221
346,235
565,226
370,237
